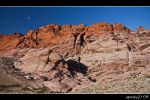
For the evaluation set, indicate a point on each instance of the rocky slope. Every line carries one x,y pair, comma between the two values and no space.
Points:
11,80
66,58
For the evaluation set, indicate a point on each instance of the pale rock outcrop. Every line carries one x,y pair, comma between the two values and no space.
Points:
37,58
56,73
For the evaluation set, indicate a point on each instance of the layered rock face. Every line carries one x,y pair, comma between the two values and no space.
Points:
107,65
62,58
7,42
51,70
53,34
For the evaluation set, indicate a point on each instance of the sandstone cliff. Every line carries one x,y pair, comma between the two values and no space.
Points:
69,57
71,36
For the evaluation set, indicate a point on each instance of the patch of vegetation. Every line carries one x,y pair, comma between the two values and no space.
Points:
26,89
6,61
41,90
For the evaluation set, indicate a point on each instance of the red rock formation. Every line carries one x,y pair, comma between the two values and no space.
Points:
103,58
54,34
101,28
120,28
7,42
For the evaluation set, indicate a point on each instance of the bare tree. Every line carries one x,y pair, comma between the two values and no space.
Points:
116,38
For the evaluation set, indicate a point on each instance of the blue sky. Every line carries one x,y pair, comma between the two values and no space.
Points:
21,19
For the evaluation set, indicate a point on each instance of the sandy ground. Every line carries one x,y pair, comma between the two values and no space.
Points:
139,85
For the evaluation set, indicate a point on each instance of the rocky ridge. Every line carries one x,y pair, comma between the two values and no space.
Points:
66,58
